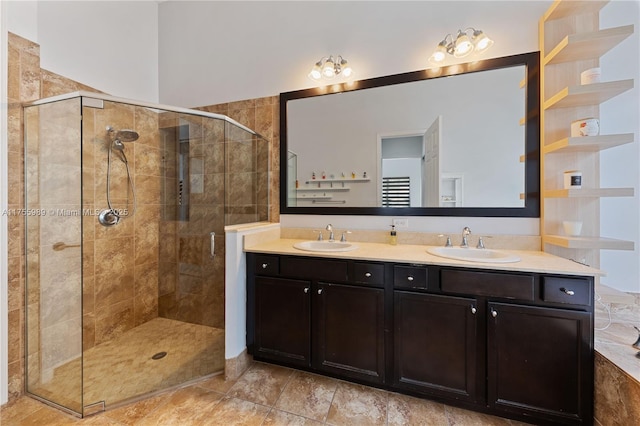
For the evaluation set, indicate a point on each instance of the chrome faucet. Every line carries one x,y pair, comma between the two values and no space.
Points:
480,243
448,242
330,229
466,231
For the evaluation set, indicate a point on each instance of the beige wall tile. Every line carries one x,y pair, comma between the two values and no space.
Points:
114,320
29,76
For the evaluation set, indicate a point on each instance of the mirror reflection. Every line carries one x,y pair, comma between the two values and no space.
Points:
450,142
462,141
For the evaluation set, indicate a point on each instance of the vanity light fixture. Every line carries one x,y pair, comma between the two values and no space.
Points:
462,46
328,67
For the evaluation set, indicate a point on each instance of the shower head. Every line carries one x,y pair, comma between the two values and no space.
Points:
122,135
126,135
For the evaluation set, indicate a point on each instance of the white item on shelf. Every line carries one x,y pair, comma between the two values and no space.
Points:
585,127
572,228
572,179
590,76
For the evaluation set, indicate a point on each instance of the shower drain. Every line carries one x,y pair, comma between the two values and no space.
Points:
159,355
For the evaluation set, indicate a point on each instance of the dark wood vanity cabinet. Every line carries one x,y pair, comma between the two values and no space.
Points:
333,325
283,313
513,344
348,332
540,362
435,344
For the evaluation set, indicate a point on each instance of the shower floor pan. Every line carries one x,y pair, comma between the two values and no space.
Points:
125,368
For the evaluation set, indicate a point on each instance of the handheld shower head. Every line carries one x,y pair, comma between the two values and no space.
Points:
117,144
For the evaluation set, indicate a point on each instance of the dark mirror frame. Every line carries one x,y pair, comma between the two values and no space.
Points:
531,208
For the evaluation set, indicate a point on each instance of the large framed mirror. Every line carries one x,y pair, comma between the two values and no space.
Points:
461,140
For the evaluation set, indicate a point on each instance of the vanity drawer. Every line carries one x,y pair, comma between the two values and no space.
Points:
314,269
368,273
574,291
409,277
267,265
510,286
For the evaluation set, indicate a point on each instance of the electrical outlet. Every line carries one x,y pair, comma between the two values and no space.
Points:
401,222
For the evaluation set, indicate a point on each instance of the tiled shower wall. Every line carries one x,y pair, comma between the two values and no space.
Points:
263,116
120,263
191,286
191,282
228,184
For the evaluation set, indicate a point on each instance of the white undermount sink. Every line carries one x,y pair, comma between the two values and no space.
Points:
327,246
474,254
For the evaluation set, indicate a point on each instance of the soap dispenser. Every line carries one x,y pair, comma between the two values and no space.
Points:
393,238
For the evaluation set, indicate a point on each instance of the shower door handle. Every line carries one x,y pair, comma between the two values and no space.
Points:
212,235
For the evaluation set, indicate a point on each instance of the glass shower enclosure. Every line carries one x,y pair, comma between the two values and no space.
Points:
125,205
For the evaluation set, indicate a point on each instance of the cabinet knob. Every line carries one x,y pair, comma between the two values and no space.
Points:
306,289
265,265
568,292
367,274
319,291
473,310
494,313
409,278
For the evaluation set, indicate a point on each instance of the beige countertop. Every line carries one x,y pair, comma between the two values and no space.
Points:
531,261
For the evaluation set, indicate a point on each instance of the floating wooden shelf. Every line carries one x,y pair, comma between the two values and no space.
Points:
314,197
324,189
589,193
563,9
571,41
588,242
588,94
588,143
338,180
592,45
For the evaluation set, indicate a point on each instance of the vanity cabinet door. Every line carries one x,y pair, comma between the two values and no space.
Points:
283,320
540,361
436,345
349,331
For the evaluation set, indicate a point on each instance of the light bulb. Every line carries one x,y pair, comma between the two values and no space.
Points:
328,69
463,45
316,71
439,54
481,41
346,68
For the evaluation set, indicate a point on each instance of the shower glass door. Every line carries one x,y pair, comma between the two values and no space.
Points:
53,247
122,308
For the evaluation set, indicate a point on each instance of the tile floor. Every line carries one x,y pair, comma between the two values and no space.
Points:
264,395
